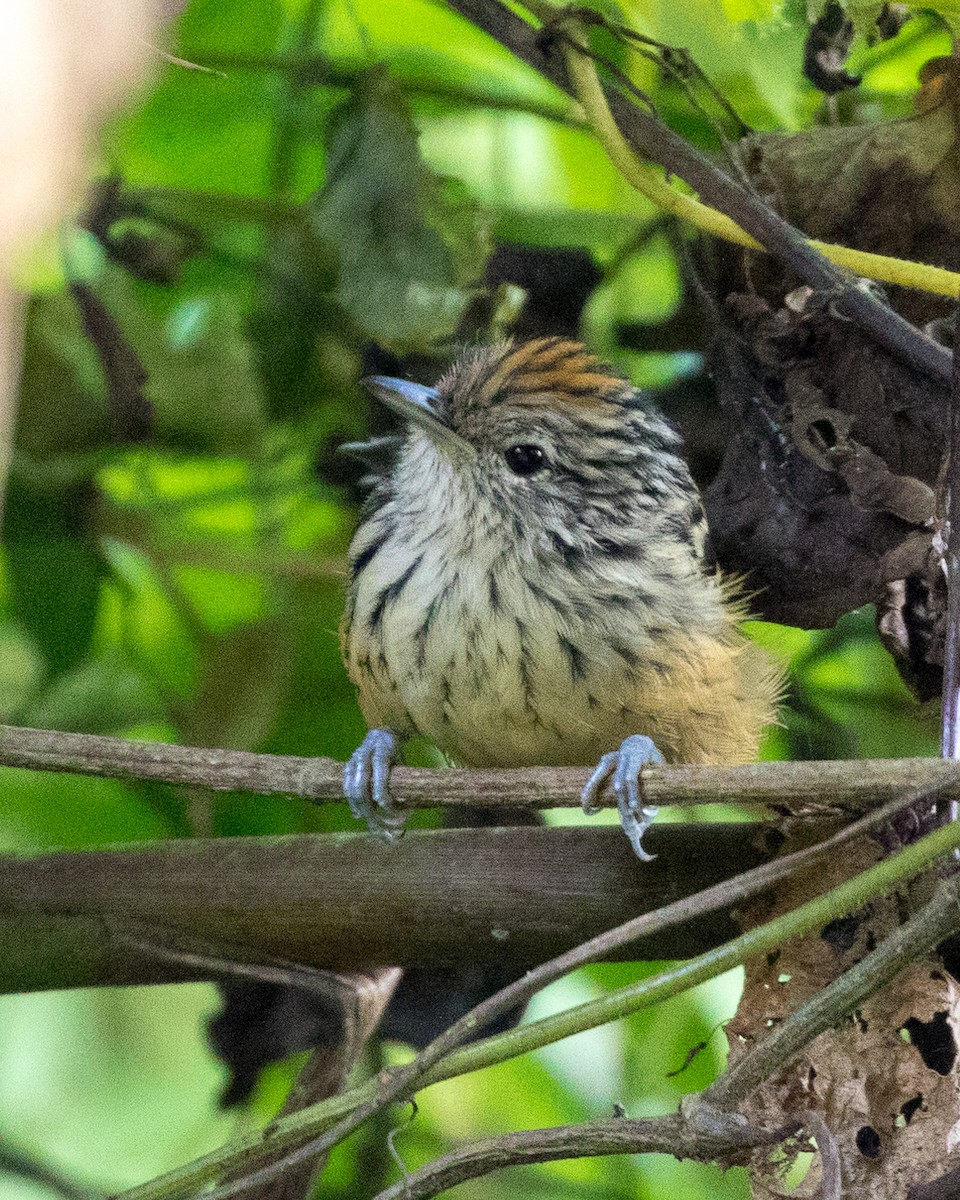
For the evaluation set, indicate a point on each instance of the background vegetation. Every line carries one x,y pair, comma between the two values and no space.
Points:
326,194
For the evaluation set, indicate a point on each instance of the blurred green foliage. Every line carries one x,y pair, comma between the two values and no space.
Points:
335,179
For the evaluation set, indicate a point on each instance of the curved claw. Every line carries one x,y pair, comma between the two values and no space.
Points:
366,784
625,766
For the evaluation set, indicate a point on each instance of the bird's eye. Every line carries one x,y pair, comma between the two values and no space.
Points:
525,459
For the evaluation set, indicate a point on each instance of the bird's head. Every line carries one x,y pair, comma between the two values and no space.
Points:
548,440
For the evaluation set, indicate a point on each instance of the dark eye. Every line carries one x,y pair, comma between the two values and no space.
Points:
525,459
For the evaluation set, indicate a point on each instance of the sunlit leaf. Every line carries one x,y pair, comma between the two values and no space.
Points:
750,10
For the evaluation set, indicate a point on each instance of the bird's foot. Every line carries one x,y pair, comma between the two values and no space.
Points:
625,766
366,784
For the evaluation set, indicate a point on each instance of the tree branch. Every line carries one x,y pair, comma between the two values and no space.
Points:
801,789
651,184
716,1105
348,901
652,139
402,1081
656,1135
317,70
911,941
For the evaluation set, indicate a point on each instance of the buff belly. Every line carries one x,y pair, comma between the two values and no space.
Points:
497,689
496,676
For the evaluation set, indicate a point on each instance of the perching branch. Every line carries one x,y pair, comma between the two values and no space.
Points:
800,789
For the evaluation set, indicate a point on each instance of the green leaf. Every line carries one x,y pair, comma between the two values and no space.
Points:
948,9
62,396
201,377
102,695
408,243
54,573
750,10
41,811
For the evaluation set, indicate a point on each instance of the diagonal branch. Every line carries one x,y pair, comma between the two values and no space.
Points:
650,183
934,922
653,140
711,1111
941,917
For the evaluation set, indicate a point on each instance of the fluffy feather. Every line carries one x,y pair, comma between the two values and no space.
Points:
541,620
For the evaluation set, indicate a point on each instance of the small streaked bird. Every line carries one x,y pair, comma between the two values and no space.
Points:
530,585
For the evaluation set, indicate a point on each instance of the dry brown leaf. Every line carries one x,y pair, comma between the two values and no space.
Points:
826,493
884,1081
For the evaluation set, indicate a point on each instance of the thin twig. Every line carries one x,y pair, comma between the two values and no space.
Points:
647,180
316,70
324,983
950,722
668,57
400,1082
831,1178
672,1135
680,66
800,789
131,413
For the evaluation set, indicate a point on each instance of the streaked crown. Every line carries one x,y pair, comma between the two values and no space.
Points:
551,438
594,430
548,370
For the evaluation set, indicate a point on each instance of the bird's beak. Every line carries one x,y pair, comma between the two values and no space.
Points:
417,405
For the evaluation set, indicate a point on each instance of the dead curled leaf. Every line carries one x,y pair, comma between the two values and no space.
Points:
828,496
823,435
831,469
911,622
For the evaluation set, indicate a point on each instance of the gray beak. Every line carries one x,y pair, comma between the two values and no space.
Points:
417,405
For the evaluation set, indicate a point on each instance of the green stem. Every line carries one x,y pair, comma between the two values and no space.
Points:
935,921
315,70
313,1121
651,184
845,898
290,111
194,204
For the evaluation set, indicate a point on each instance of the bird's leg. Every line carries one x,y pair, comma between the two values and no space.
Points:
366,784
625,766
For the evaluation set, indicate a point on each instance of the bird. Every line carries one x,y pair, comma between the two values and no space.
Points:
531,584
